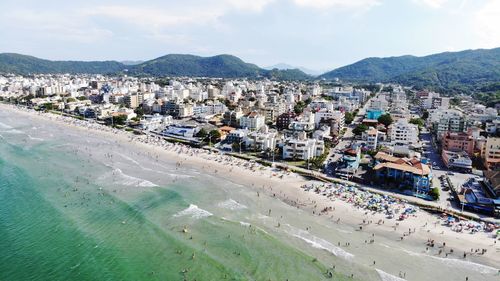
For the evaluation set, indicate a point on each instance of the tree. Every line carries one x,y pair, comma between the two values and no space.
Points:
360,129
139,111
82,98
385,119
299,107
215,135
349,117
235,146
70,100
434,193
119,119
48,106
202,133
417,121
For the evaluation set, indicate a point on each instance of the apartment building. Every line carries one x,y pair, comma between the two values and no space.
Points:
403,132
303,148
491,153
252,121
371,137
134,100
261,140
458,141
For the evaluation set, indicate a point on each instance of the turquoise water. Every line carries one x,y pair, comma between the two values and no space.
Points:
77,206
66,217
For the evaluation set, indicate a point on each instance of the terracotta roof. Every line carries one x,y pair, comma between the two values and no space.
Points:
422,170
494,178
386,157
226,129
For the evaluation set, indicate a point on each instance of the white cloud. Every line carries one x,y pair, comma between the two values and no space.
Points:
487,24
435,4
351,4
249,5
56,26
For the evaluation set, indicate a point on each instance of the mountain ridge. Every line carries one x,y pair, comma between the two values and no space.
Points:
219,66
448,71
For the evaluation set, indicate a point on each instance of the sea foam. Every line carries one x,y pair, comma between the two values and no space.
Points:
194,211
481,268
231,205
388,277
127,180
319,243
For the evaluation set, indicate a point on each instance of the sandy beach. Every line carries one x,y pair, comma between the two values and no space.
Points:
420,229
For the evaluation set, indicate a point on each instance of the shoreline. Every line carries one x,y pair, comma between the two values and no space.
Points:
288,189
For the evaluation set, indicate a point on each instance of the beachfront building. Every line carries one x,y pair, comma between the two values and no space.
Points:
403,132
349,163
302,148
155,122
403,172
481,195
186,131
261,140
252,121
457,160
491,153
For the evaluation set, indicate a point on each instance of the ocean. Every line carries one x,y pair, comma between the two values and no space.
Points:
79,206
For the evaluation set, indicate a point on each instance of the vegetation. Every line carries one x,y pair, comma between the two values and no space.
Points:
450,73
299,107
21,64
119,120
417,121
317,162
139,111
349,117
434,193
360,129
224,66
385,119
215,135
202,133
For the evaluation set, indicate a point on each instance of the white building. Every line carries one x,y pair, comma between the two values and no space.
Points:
371,137
261,140
303,148
403,132
252,121
155,122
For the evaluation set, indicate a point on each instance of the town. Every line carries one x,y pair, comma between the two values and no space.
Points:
389,138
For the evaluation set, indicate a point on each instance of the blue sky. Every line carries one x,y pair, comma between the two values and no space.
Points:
317,34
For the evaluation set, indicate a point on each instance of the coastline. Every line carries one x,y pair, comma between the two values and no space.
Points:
288,189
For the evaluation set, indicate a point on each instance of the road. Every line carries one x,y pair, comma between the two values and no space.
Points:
346,140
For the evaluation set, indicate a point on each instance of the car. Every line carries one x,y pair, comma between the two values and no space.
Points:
450,173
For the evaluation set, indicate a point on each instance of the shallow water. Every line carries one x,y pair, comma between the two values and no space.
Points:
77,206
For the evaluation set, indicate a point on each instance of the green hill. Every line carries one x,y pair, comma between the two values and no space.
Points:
451,72
21,64
221,66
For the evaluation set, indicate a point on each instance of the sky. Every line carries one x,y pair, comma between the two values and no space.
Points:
317,34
